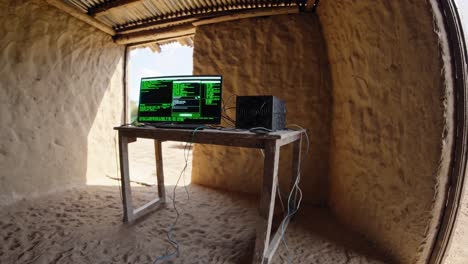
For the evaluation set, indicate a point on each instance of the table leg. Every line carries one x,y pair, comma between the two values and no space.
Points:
296,167
133,214
159,170
267,202
125,179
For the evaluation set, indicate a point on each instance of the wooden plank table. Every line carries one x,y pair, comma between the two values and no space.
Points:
265,246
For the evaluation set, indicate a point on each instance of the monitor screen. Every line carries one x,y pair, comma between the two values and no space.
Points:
180,99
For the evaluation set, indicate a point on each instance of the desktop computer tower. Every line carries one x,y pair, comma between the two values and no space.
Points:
260,111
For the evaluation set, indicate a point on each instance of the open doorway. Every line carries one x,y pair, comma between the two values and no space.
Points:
171,59
154,61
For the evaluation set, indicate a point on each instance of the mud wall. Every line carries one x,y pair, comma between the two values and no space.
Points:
60,95
283,56
391,133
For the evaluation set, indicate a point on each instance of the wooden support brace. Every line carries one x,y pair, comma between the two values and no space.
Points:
267,201
131,214
146,208
276,241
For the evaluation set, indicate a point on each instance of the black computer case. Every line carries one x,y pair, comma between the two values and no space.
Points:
260,111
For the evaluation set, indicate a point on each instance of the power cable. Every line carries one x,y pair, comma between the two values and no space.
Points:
296,192
170,238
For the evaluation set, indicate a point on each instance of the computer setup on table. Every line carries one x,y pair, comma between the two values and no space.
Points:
189,102
180,101
195,102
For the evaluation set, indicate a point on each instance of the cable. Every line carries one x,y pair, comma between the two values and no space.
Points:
232,107
172,241
296,192
227,102
260,130
229,120
224,114
279,194
308,144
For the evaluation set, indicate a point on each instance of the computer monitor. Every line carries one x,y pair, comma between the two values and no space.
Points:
180,99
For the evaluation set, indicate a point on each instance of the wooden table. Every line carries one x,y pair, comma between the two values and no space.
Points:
270,143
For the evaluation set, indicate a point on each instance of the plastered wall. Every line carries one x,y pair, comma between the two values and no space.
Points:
388,100
283,56
60,95
391,130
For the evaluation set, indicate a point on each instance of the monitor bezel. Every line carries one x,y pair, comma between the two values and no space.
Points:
216,121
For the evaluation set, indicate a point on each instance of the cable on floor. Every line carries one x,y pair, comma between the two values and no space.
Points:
172,241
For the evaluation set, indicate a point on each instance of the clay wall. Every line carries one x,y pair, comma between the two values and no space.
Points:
390,110
283,56
60,96
391,131
370,88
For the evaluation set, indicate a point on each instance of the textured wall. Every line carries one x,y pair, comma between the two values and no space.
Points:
388,163
60,95
284,56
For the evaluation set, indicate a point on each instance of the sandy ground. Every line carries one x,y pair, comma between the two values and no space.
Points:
84,225
143,165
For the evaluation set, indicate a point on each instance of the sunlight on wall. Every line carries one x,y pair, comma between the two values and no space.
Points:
174,59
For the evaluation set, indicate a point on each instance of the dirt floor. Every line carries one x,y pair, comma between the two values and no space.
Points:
84,225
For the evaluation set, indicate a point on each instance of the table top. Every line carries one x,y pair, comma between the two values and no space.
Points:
241,138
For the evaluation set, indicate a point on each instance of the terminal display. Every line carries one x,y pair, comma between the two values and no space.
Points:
180,99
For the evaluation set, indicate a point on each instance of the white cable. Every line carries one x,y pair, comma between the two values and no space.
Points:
172,241
297,193
279,194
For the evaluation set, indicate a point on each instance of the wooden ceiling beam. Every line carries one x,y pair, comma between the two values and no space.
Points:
144,43
155,34
209,17
104,7
158,24
258,12
73,11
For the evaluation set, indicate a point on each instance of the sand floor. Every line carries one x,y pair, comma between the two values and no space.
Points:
84,226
